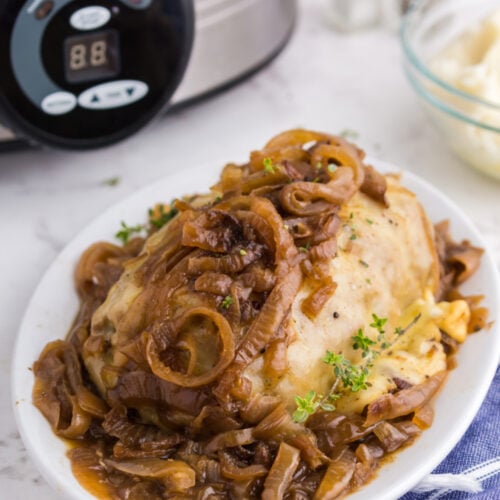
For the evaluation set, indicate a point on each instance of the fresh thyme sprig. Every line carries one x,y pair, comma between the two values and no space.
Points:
352,377
310,403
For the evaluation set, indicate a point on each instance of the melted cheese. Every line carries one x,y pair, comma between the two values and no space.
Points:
387,265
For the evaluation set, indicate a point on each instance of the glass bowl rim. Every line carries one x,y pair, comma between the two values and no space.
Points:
434,101
419,65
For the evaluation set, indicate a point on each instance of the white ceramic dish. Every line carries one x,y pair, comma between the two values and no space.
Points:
55,303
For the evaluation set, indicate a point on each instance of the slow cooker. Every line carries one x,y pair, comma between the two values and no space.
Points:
82,74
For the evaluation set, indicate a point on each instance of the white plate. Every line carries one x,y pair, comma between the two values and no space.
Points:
54,304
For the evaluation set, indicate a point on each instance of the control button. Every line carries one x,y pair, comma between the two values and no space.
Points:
113,94
89,18
58,103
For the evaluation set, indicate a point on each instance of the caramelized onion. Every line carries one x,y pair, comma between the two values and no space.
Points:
258,279
281,473
231,470
57,382
296,137
213,420
262,178
390,436
231,263
478,319
314,303
226,353
214,230
215,283
95,254
309,451
423,416
337,476
259,407
374,185
465,259
177,476
343,156
402,403
256,227
260,332
230,439
275,361
283,242
137,440
278,155
137,388
324,251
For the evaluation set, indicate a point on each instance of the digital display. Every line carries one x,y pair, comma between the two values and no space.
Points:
91,57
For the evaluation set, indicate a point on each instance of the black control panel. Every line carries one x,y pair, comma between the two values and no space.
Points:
82,73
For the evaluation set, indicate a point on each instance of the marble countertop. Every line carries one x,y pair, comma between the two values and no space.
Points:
323,80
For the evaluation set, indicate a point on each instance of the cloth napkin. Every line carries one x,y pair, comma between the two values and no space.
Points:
472,469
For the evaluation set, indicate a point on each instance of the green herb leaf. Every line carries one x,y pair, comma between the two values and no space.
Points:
327,407
362,342
227,302
126,231
268,165
363,263
158,218
112,181
300,416
305,406
305,248
378,323
349,134
330,358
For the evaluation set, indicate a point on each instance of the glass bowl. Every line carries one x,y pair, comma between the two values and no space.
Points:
468,121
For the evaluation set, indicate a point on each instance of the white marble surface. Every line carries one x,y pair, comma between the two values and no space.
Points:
322,80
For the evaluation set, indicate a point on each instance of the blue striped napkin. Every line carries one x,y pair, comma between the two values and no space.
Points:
475,461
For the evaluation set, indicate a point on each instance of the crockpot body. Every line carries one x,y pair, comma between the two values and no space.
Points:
82,74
